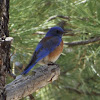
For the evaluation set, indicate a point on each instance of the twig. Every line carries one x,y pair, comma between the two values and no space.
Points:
96,39
80,92
83,42
31,97
67,17
60,16
12,75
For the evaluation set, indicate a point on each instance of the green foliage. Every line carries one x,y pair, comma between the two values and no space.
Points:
80,71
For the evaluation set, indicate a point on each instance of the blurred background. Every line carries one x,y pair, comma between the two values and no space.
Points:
80,64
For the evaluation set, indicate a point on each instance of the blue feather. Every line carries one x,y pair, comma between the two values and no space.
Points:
28,69
43,50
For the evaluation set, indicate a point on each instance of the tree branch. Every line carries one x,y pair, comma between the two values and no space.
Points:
59,16
23,86
75,43
66,17
96,39
80,92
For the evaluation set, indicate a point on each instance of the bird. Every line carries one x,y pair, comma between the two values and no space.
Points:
48,49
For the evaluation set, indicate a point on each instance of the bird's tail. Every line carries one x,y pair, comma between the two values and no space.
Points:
27,69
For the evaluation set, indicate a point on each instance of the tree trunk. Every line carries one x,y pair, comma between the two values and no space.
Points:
24,86
4,46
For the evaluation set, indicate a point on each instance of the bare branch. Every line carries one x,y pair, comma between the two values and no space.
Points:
23,86
12,75
80,92
60,16
67,17
96,39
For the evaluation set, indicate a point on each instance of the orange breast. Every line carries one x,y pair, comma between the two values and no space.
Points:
53,56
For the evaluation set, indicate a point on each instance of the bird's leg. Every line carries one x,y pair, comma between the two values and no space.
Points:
50,63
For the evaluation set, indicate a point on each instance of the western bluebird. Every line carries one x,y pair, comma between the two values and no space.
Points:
48,50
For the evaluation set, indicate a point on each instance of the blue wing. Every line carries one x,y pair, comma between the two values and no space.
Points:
44,48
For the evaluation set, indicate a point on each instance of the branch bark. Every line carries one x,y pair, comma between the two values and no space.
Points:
23,86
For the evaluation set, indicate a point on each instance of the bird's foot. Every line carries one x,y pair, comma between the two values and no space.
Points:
51,63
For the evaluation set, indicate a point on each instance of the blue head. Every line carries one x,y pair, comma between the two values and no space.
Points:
55,31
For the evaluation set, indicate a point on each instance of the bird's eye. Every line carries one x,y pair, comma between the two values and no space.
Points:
57,31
